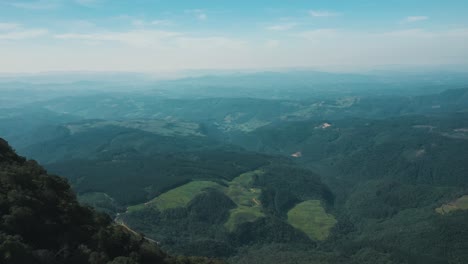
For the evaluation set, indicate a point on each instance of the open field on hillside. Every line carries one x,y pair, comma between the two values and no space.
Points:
246,197
239,190
311,218
459,204
178,197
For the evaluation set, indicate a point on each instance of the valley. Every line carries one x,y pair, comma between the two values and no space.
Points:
339,176
233,132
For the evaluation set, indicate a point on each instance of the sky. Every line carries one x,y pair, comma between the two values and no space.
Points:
171,35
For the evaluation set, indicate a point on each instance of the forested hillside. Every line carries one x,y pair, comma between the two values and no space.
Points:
42,222
355,174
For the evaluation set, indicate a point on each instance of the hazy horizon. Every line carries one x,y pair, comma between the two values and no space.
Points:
233,132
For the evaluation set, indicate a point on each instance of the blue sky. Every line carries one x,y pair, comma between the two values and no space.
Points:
163,35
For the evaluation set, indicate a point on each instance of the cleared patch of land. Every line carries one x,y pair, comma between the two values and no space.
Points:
177,197
310,217
459,204
246,197
239,190
243,214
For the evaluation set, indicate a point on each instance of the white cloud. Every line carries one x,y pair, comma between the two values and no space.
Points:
22,34
137,38
318,34
412,19
408,33
8,26
36,5
138,22
282,27
207,44
461,32
161,22
14,31
159,39
272,43
403,47
323,13
202,16
158,50
141,23
198,13
83,24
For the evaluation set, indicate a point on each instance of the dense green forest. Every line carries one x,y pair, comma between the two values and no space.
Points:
42,222
305,168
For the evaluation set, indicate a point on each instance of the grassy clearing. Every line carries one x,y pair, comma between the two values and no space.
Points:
310,217
178,197
459,204
239,190
246,197
243,214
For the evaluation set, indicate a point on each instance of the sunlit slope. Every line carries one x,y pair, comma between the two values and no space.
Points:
240,190
311,218
275,203
459,204
246,197
178,197
132,177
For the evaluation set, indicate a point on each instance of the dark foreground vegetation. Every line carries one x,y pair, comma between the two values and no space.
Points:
42,222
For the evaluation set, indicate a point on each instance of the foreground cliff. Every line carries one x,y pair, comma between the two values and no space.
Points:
42,222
